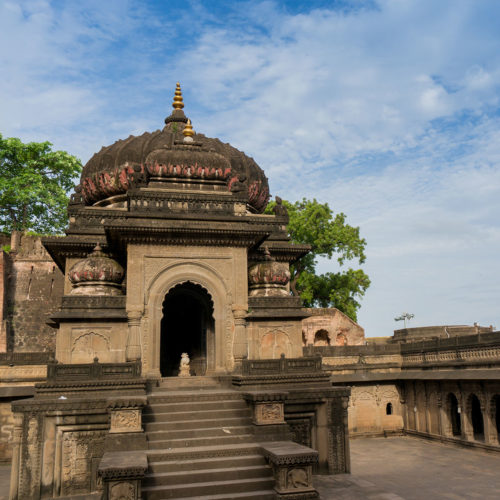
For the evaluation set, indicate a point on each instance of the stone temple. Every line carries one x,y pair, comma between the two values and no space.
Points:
155,350
168,257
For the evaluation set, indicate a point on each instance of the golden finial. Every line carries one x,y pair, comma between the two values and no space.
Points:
178,102
188,129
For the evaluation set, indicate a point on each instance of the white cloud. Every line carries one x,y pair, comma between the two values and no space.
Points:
388,113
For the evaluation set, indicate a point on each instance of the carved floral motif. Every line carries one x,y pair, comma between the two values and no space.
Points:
122,491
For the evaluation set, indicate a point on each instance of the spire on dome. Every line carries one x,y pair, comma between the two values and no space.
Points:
178,103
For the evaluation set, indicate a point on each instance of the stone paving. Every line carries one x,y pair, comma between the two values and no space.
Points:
414,469
400,468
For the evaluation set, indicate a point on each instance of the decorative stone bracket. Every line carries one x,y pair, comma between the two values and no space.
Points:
292,468
268,407
122,473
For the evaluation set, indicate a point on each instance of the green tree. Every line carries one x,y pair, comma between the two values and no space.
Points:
315,224
34,182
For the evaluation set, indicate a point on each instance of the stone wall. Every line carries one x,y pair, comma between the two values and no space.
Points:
375,409
330,327
31,292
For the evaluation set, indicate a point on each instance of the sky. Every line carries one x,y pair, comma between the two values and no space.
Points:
387,110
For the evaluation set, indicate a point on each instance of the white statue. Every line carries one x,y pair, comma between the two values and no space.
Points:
184,366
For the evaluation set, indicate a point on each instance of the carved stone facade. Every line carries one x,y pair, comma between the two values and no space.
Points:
169,254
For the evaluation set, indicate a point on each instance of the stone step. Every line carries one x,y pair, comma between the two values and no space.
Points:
215,392
156,415
181,383
200,432
194,405
206,463
208,488
247,495
200,441
193,396
196,424
203,452
202,476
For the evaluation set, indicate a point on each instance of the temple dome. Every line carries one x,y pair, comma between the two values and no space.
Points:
97,274
169,153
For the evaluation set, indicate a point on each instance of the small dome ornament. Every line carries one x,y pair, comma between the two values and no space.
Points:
97,274
268,278
188,132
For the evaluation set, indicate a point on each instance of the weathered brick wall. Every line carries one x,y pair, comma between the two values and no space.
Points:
33,293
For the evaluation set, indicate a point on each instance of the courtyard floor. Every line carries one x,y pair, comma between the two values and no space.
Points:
400,468
414,469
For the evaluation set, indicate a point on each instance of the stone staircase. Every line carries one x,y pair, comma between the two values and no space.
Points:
201,444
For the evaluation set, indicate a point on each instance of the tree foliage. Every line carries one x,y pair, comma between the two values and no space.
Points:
330,236
34,182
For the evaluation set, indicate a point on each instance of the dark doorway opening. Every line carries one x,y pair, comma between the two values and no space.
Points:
388,409
456,427
477,418
187,326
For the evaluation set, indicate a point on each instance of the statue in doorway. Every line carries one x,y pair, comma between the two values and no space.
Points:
184,366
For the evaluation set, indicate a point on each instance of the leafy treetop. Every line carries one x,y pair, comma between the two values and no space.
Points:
314,223
34,182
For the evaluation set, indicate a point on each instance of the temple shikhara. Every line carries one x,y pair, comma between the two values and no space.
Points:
156,350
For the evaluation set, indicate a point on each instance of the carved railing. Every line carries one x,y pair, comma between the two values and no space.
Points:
25,358
281,365
96,370
351,350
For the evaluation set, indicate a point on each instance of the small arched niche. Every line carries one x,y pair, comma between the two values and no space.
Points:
321,338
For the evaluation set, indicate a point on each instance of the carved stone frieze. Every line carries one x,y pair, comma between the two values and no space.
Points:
125,420
268,413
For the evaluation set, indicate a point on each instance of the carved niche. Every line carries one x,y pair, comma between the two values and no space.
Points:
89,345
80,450
275,343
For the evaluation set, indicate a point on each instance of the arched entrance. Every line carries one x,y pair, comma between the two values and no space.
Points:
476,418
187,326
454,415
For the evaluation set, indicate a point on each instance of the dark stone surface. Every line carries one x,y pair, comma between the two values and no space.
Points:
121,464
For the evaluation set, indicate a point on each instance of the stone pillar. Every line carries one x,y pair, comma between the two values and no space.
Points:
125,432
492,437
240,346
16,456
292,469
122,474
465,422
415,408
268,414
487,423
133,350
441,414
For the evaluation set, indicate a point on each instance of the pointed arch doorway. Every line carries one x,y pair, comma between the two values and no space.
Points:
188,326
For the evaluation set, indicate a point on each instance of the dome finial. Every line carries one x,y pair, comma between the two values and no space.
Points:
178,102
188,132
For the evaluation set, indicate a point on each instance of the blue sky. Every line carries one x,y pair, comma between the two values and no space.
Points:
388,110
